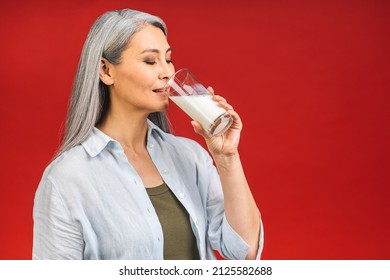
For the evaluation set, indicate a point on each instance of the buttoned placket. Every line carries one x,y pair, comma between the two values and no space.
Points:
179,191
150,214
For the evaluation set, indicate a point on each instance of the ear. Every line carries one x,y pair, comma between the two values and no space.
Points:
106,69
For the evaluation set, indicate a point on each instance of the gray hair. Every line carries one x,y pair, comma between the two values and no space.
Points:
107,38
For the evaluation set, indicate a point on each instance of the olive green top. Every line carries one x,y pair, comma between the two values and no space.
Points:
179,240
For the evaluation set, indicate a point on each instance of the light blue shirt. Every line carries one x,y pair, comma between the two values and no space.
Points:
92,204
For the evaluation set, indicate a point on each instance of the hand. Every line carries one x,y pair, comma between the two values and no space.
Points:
227,143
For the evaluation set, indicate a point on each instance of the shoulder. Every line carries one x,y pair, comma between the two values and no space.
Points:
66,166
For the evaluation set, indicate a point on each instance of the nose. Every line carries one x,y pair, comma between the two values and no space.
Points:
167,70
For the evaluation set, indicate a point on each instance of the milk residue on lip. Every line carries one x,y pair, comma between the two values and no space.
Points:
200,108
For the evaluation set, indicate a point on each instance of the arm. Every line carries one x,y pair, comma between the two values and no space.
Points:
238,199
55,234
240,207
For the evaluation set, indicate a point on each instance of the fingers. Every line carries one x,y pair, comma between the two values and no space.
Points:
224,104
220,99
235,116
211,90
199,129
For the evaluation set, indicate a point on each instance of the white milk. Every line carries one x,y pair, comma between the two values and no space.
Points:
203,109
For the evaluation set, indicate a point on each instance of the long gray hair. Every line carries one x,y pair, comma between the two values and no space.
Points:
108,38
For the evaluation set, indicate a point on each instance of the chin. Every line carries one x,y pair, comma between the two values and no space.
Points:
166,105
162,107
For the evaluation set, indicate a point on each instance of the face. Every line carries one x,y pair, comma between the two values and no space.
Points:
136,82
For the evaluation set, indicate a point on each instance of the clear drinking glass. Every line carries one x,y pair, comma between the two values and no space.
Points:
196,101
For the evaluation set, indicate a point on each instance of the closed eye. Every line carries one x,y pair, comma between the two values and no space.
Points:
150,62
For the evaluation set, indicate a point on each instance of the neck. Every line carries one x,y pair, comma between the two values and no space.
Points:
130,132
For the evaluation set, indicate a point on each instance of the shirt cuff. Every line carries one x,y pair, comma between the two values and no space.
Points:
234,246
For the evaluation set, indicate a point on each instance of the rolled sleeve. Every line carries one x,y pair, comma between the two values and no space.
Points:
261,241
222,236
233,246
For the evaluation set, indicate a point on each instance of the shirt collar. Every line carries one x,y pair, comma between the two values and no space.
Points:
97,141
154,131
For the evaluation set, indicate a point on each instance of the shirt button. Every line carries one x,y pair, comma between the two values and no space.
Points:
151,145
164,171
197,223
181,195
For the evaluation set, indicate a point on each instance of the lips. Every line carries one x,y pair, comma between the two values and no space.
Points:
162,91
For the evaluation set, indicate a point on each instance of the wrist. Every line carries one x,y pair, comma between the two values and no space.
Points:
224,161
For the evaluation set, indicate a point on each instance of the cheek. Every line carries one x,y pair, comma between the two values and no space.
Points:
138,81
147,84
144,79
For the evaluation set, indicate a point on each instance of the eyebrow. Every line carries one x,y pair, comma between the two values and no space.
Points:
155,51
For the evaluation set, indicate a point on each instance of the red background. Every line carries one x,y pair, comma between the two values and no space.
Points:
310,80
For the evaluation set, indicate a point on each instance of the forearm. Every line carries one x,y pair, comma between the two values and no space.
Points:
240,207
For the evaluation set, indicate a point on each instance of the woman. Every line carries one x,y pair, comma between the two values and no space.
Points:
122,186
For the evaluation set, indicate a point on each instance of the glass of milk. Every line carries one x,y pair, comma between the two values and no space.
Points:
195,100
